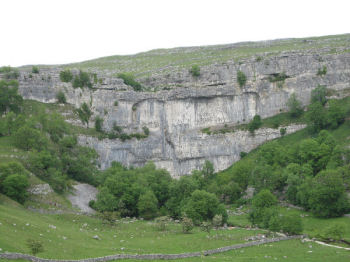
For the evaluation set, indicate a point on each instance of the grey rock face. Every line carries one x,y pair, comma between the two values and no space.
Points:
175,117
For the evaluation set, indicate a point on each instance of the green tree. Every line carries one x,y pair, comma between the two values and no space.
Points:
35,70
254,124
327,197
98,123
129,79
66,76
241,78
319,95
84,114
201,206
187,225
10,100
61,98
15,186
148,205
294,106
105,200
28,138
291,224
317,117
195,71
336,114
82,80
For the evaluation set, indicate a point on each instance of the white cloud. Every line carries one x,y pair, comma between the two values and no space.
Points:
64,31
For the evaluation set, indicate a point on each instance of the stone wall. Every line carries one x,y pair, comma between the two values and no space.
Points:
149,256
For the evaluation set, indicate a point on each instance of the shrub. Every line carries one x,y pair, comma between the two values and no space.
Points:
319,95
82,80
291,224
28,138
243,154
98,124
206,226
10,100
278,77
162,223
335,232
35,70
322,71
217,221
61,98
195,71
115,103
66,76
9,72
145,130
294,106
317,117
129,79
241,78
84,114
35,246
254,124
148,205
283,131
187,225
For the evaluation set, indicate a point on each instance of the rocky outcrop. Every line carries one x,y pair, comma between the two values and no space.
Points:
175,116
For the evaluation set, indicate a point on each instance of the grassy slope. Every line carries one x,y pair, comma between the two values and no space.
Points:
163,61
136,237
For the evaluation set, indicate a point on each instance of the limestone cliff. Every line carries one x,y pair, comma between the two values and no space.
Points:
176,114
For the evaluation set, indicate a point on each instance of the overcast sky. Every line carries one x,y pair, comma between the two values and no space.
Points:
65,31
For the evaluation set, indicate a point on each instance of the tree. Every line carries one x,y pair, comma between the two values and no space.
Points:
195,71
148,205
294,106
35,70
105,200
28,138
35,246
254,124
15,186
291,224
66,76
317,117
98,123
327,197
10,100
201,206
61,98
84,114
187,224
336,114
241,78
319,95
208,170
264,199
82,80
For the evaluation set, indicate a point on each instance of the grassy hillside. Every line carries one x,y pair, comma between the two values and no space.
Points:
162,61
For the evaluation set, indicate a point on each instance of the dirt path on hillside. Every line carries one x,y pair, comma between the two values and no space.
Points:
82,194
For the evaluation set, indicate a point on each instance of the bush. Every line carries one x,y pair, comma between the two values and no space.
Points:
61,98
28,138
291,224
84,113
98,124
145,130
201,206
241,78
195,71
264,199
283,131
115,103
319,95
206,226
66,76
129,79
243,154
322,71
335,232
10,100
217,221
294,106
82,80
35,70
162,223
9,72
187,225
147,205
35,246
254,124
316,117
